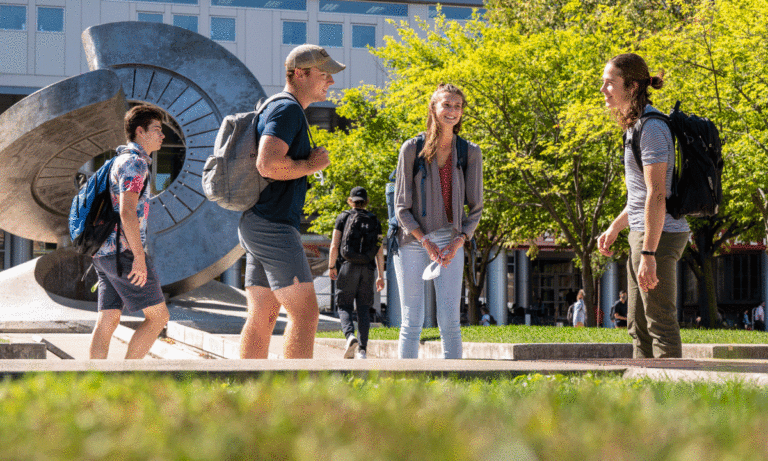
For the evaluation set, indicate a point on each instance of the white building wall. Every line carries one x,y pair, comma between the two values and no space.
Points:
33,59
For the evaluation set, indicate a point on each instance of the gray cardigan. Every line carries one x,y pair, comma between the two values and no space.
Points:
408,194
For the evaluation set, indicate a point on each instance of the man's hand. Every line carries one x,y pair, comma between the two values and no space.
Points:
138,275
605,241
318,159
380,283
646,273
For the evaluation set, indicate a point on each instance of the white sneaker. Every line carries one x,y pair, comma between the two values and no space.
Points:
352,344
360,354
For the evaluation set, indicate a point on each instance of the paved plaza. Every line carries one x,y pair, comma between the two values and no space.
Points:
202,337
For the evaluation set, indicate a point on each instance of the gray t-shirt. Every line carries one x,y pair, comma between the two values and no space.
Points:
656,146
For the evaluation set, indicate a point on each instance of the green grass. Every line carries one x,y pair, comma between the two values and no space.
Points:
331,417
535,334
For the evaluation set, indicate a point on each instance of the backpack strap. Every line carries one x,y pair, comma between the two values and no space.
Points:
420,165
262,104
637,132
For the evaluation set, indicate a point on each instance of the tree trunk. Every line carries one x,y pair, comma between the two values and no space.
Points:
707,291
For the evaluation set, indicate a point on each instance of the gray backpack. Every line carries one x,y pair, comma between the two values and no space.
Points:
230,176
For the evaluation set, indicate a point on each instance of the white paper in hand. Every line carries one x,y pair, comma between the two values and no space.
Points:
432,271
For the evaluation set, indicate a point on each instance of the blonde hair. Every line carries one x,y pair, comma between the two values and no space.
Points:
580,295
433,128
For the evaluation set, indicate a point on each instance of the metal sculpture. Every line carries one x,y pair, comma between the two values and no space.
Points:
55,131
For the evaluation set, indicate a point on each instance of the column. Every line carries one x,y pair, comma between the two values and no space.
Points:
232,276
522,279
764,263
430,304
20,250
393,295
609,291
497,286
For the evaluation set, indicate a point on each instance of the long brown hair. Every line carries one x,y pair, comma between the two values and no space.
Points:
632,68
433,128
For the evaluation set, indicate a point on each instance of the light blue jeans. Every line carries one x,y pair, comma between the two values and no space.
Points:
410,263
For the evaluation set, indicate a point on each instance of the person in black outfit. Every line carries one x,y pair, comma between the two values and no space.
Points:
355,282
619,311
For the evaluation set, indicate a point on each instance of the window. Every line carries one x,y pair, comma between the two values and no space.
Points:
300,5
223,29
183,2
185,22
151,17
294,33
362,36
380,9
331,35
455,12
50,19
13,17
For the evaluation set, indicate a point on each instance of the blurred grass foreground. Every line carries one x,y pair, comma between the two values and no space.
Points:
331,417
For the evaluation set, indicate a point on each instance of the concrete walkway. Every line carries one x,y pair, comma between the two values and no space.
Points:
203,338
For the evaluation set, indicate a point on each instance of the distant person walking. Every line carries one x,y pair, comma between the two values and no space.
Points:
136,287
433,226
758,316
277,271
357,234
579,310
656,239
619,311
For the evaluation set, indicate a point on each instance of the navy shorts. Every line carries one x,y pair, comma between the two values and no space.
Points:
116,292
274,253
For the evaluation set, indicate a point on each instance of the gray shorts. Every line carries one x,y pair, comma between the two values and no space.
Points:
116,292
274,253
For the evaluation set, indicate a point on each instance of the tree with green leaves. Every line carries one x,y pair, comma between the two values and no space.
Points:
715,62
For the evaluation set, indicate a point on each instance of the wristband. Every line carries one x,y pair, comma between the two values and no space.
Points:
648,253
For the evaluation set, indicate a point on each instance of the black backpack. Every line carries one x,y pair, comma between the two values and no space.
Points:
696,184
419,165
360,239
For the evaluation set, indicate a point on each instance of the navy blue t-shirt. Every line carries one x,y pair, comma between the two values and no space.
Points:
283,201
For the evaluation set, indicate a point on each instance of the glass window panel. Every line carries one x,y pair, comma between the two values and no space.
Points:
294,33
223,29
380,9
185,22
181,2
50,19
13,17
331,35
151,17
362,36
455,12
300,5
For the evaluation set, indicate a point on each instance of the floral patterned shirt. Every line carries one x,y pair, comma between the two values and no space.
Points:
129,172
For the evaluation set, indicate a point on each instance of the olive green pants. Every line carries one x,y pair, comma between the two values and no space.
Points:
652,315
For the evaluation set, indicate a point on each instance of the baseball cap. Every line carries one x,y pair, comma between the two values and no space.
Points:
358,194
306,56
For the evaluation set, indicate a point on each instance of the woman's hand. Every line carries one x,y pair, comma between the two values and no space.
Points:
449,251
432,250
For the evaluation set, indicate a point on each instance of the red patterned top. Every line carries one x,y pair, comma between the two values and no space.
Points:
446,185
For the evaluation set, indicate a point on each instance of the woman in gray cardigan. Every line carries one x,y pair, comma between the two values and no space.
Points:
433,223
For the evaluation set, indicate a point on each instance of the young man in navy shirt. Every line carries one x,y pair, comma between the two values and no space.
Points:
277,271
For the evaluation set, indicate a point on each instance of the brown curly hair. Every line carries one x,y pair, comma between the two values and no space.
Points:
632,68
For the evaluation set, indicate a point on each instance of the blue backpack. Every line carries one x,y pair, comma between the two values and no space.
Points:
462,154
92,218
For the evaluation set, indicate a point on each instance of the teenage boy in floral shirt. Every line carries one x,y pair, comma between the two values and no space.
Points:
136,287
